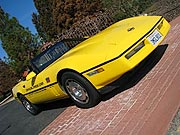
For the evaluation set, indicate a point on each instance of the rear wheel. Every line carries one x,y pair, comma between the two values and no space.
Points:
80,90
31,108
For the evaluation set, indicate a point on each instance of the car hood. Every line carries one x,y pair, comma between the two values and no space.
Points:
111,42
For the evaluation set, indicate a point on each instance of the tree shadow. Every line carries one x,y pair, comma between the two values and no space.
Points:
132,77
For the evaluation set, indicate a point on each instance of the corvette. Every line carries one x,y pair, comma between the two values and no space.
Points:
85,71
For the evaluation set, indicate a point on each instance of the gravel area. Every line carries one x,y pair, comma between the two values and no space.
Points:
174,129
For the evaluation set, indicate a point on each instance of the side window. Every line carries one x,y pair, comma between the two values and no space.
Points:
49,56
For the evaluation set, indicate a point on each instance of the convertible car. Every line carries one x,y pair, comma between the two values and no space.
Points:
85,71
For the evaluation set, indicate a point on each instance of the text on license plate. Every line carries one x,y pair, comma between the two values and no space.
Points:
155,37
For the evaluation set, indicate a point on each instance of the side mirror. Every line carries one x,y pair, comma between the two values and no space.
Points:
86,37
30,75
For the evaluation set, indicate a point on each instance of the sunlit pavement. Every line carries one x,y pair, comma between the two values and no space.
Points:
145,108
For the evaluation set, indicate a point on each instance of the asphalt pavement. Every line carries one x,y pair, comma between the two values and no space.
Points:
15,120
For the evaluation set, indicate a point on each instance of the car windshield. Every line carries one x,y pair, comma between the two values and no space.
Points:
47,57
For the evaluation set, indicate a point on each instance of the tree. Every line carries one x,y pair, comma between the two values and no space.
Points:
18,42
43,21
56,16
8,78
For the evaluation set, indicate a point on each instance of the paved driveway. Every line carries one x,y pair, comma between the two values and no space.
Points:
15,120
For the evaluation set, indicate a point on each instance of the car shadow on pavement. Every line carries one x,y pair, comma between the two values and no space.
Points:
132,77
63,103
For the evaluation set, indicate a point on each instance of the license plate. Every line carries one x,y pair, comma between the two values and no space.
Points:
155,37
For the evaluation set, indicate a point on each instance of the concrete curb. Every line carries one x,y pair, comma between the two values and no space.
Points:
6,99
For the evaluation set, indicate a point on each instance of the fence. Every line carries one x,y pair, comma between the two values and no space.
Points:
87,27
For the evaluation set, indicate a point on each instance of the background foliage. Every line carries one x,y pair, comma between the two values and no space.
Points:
18,42
8,78
127,8
20,46
56,16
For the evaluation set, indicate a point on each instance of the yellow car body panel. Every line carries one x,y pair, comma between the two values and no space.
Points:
101,59
119,66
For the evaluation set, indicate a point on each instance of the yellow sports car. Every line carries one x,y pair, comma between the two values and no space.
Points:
84,72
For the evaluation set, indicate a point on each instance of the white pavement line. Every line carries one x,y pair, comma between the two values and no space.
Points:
6,99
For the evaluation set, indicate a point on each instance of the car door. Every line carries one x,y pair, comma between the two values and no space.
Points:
36,89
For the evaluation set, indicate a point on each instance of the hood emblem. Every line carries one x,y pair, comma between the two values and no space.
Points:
130,29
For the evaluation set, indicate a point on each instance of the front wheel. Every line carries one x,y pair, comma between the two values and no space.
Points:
31,108
80,90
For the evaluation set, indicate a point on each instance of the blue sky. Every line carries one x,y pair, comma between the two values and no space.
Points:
22,10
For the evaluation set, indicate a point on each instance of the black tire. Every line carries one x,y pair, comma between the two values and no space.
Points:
31,108
80,90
